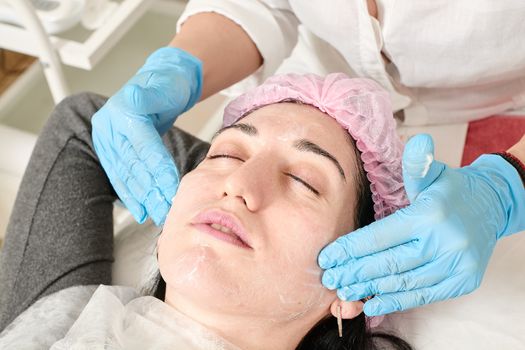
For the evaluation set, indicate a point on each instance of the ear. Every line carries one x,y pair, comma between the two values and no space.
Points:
349,309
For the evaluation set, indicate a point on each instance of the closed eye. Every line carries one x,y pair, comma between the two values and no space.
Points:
215,156
296,178
304,183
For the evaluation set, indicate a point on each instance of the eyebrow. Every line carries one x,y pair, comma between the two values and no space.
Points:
248,129
309,146
303,145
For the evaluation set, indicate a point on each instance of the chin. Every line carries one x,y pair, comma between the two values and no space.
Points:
199,275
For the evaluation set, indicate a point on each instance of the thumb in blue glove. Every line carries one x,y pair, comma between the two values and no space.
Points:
436,248
419,168
127,131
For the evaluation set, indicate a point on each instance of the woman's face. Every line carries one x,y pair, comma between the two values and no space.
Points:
247,224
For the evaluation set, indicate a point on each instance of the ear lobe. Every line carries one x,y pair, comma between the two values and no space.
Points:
349,309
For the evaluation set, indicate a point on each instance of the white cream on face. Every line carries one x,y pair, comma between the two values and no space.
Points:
292,293
279,280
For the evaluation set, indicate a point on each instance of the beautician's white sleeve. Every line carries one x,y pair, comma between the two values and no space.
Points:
271,24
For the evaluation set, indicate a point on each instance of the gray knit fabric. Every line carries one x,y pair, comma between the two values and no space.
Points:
60,233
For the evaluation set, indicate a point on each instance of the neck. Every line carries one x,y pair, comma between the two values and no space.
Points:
247,332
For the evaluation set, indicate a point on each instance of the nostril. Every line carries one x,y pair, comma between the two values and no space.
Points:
234,196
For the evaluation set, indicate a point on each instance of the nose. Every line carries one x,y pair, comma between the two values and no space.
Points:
251,183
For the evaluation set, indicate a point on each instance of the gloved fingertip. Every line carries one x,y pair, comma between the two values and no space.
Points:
169,192
341,294
139,217
421,143
138,212
323,260
328,280
159,219
346,294
332,255
373,308
160,213
156,221
161,223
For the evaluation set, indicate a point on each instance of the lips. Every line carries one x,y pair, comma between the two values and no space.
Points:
222,225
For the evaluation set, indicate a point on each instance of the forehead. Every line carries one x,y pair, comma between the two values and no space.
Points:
298,121
288,122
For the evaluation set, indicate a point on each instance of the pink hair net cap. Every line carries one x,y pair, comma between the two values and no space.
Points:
360,106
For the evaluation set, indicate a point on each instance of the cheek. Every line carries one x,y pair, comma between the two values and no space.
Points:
301,236
181,253
293,266
197,185
195,190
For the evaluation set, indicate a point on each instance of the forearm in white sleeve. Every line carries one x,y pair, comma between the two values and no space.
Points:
271,25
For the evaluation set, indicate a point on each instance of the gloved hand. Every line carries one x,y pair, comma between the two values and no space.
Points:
127,131
436,248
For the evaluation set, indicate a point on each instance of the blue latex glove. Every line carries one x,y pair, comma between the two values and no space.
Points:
436,248
127,131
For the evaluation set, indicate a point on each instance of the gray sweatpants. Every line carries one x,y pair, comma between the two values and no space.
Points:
60,233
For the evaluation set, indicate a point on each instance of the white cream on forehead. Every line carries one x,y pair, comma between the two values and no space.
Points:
289,130
298,131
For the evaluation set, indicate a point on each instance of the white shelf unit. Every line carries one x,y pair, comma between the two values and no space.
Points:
53,50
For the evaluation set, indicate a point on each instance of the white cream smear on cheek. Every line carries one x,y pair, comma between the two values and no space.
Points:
314,297
317,297
187,265
298,293
312,293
